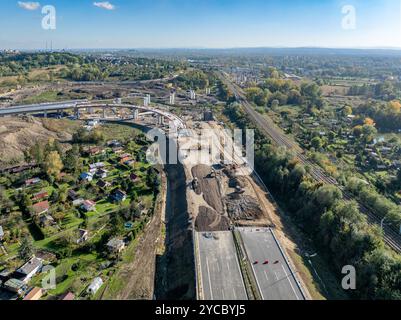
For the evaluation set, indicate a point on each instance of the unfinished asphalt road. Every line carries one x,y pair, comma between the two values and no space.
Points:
219,270
273,275
175,273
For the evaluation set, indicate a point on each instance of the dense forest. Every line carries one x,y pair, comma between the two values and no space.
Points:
274,92
386,90
387,115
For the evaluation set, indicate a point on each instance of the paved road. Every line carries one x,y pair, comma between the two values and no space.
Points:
218,268
275,281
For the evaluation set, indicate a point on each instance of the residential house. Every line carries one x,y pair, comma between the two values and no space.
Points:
133,177
95,285
101,173
78,202
73,195
385,150
29,269
115,245
96,166
129,162
32,182
118,150
88,205
397,164
86,176
119,195
114,144
16,286
125,155
69,296
93,151
40,196
5,274
40,208
35,294
125,160
103,184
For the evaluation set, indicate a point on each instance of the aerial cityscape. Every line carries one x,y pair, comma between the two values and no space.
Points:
200,151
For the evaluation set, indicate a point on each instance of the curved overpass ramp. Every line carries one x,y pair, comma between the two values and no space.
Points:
83,104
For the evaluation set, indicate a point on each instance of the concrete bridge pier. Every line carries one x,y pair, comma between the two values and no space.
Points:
77,113
135,113
104,112
160,120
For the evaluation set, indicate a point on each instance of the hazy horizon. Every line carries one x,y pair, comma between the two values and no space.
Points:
203,24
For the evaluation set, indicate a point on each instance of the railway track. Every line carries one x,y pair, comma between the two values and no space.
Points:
390,236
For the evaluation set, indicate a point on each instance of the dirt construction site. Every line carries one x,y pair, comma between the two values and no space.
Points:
221,192
223,195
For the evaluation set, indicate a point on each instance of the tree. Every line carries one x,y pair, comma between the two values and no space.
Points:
36,153
369,122
59,216
395,106
5,203
347,111
357,131
272,72
369,132
71,159
23,201
257,95
327,196
294,97
275,103
312,93
25,250
53,164
317,143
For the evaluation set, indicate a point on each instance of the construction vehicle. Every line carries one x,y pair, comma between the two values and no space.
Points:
195,183
239,190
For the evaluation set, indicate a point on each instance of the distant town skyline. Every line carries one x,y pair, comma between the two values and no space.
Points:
202,24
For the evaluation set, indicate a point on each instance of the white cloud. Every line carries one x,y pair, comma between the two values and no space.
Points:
29,5
104,5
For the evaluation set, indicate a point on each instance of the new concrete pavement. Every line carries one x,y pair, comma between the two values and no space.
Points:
274,278
219,271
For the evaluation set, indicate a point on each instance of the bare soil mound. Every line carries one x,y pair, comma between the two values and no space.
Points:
243,207
209,220
209,186
19,134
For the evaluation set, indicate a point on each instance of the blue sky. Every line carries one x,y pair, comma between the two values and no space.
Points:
200,24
